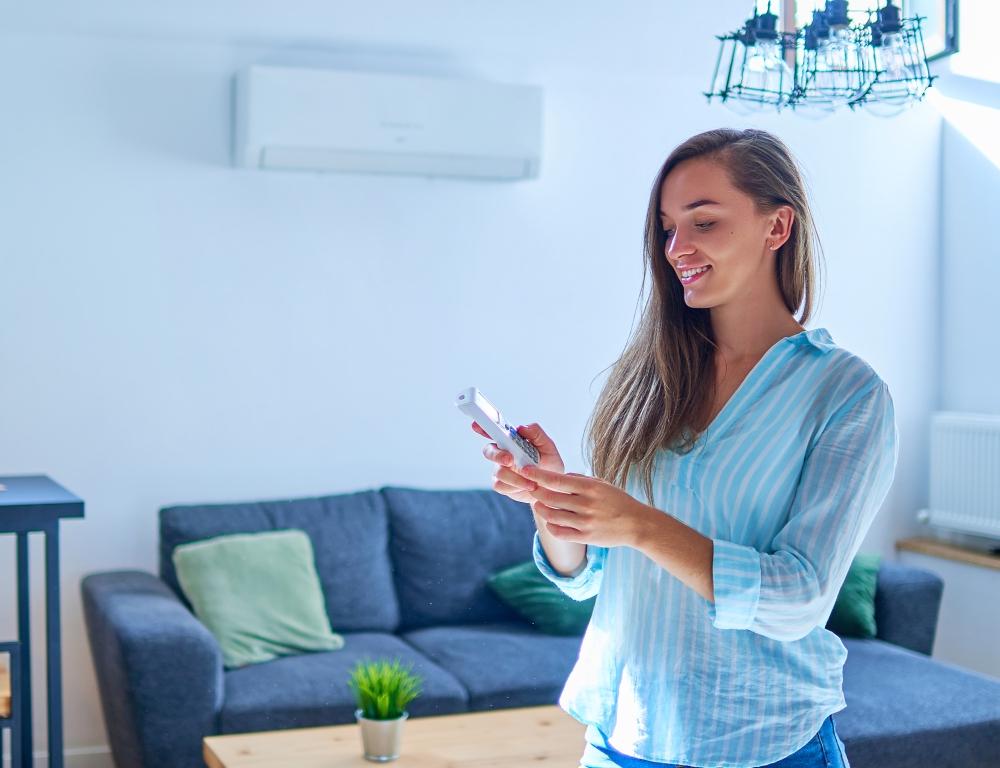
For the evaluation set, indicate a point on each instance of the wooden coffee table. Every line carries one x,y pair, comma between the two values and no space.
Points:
499,738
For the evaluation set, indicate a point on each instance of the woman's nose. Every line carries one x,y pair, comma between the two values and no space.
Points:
678,245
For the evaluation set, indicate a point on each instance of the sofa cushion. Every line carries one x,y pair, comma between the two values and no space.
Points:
445,544
540,602
257,593
312,689
905,709
502,664
349,534
854,611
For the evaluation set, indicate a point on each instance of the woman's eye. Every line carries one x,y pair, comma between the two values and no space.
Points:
668,233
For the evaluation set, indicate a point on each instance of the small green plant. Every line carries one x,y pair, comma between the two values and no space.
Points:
382,689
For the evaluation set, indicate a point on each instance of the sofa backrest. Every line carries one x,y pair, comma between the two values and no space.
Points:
444,544
349,534
907,604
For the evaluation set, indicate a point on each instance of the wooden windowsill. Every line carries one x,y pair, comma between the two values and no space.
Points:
949,551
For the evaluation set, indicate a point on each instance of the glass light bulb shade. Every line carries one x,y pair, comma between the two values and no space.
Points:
829,85
842,63
880,108
837,45
890,91
742,107
765,55
893,57
755,62
903,63
897,78
840,37
766,74
812,110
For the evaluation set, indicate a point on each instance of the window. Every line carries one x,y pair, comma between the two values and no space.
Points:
939,27
804,8
978,24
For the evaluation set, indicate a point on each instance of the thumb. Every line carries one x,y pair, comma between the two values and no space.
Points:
535,434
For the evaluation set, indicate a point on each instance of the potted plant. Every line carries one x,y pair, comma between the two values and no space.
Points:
382,690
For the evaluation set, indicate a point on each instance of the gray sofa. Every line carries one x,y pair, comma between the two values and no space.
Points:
404,575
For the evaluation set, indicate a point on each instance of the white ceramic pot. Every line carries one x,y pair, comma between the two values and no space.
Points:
380,738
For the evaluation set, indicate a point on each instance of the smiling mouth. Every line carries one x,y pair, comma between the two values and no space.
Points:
695,276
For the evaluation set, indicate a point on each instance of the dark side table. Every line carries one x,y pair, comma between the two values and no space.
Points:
28,504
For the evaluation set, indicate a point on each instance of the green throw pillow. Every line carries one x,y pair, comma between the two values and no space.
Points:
854,612
527,591
258,593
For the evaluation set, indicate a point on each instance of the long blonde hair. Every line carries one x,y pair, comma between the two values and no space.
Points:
657,389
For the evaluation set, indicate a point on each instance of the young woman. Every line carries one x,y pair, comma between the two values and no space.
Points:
738,461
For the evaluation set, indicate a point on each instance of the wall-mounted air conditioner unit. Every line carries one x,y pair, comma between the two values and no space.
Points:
337,120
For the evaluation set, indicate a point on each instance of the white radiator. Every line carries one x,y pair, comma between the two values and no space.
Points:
965,473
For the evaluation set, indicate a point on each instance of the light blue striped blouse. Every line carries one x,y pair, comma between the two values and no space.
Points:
786,481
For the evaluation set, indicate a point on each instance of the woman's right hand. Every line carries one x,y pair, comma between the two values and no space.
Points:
507,480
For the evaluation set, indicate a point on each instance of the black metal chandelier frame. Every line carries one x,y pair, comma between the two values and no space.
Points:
876,56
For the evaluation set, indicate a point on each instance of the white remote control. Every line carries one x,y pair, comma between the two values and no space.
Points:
472,403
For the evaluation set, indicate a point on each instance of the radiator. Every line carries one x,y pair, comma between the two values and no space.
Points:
965,473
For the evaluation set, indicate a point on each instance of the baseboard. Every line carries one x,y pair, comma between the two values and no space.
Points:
77,757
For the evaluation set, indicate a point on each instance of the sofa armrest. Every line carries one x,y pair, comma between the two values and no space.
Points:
907,601
159,670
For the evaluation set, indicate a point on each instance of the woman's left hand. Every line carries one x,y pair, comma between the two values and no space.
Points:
585,509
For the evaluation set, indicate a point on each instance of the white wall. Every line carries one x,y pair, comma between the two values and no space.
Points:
970,369
176,330
970,257
965,631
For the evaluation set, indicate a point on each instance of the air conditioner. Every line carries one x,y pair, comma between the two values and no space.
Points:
336,120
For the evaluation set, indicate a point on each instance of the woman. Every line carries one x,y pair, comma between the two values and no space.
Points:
762,452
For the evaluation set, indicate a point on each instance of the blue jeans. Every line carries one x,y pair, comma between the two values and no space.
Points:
824,750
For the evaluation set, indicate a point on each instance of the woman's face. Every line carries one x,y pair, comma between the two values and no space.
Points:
707,222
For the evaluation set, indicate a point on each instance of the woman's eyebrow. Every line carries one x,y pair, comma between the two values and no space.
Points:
695,204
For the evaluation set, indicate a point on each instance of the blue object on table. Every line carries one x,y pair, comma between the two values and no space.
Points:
36,503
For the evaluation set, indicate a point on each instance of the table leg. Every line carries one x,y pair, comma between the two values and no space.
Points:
13,651
24,638
53,646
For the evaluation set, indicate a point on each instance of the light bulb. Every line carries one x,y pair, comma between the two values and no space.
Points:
765,72
839,73
897,84
894,58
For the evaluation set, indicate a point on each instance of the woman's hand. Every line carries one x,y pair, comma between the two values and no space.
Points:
507,479
585,509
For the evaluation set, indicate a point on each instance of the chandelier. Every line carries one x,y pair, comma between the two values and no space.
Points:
872,59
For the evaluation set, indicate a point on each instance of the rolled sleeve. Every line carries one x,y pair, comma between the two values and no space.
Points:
736,583
585,583
788,590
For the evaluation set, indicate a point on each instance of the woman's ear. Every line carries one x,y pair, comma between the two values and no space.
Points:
781,226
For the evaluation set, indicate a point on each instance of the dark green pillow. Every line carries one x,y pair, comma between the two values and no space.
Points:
854,612
527,591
